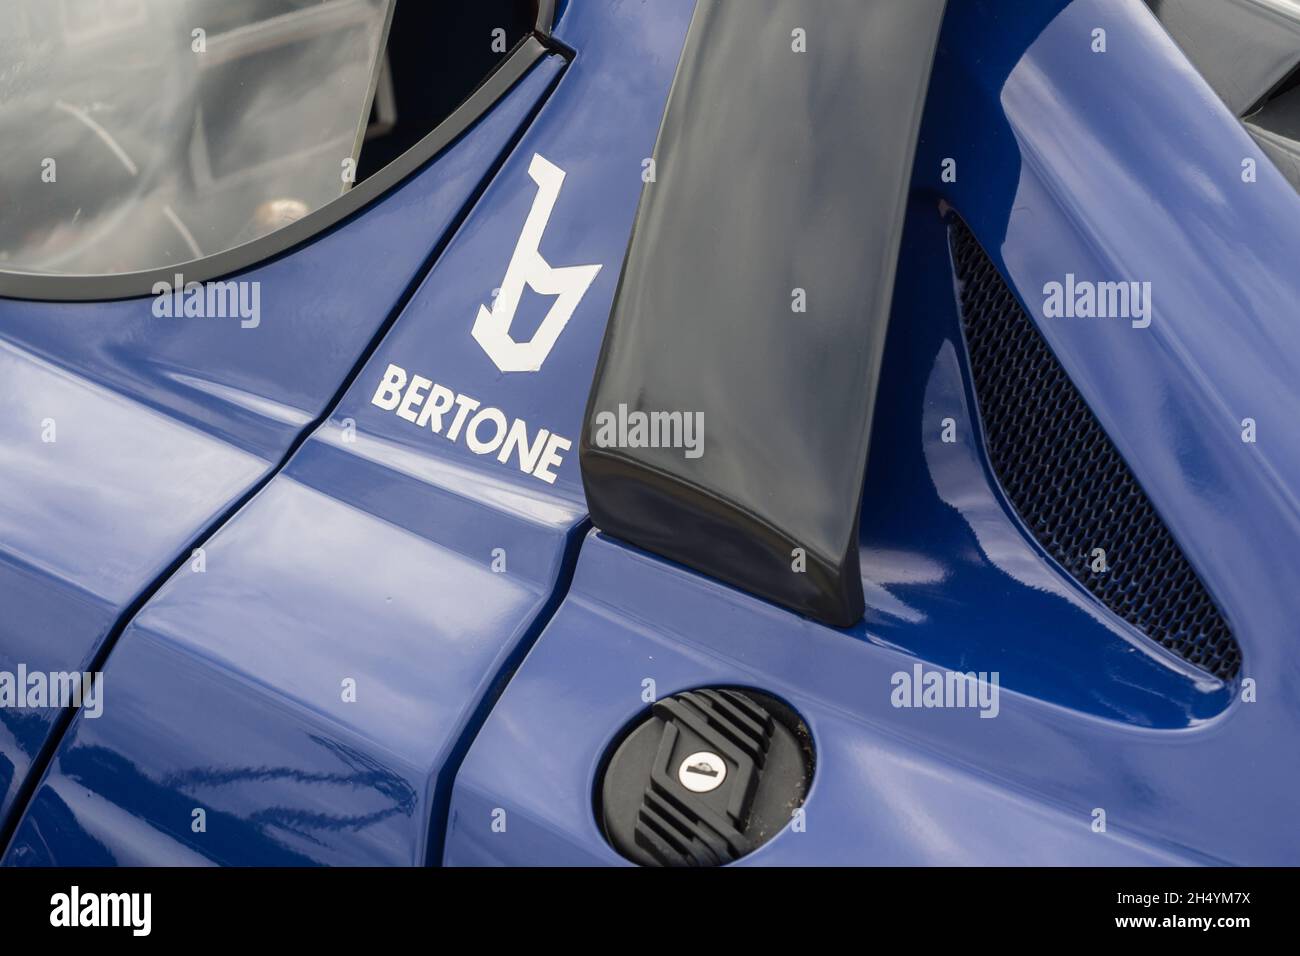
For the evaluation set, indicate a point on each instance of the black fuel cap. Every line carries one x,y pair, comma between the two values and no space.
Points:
707,777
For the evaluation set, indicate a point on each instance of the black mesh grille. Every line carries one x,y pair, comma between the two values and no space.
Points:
1068,482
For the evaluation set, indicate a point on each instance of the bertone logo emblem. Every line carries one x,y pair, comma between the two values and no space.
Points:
527,267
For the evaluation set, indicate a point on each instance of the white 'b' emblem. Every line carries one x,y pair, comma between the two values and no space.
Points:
568,284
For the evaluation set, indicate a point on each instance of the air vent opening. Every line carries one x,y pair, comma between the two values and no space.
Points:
1068,483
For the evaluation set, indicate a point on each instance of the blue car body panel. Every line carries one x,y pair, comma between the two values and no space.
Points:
382,554
1120,164
953,577
369,557
885,791
162,424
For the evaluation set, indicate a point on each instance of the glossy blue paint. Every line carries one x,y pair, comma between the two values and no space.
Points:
1149,188
1120,165
885,790
370,556
952,576
161,424
1106,185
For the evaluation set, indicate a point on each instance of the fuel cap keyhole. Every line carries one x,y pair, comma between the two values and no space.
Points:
702,771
